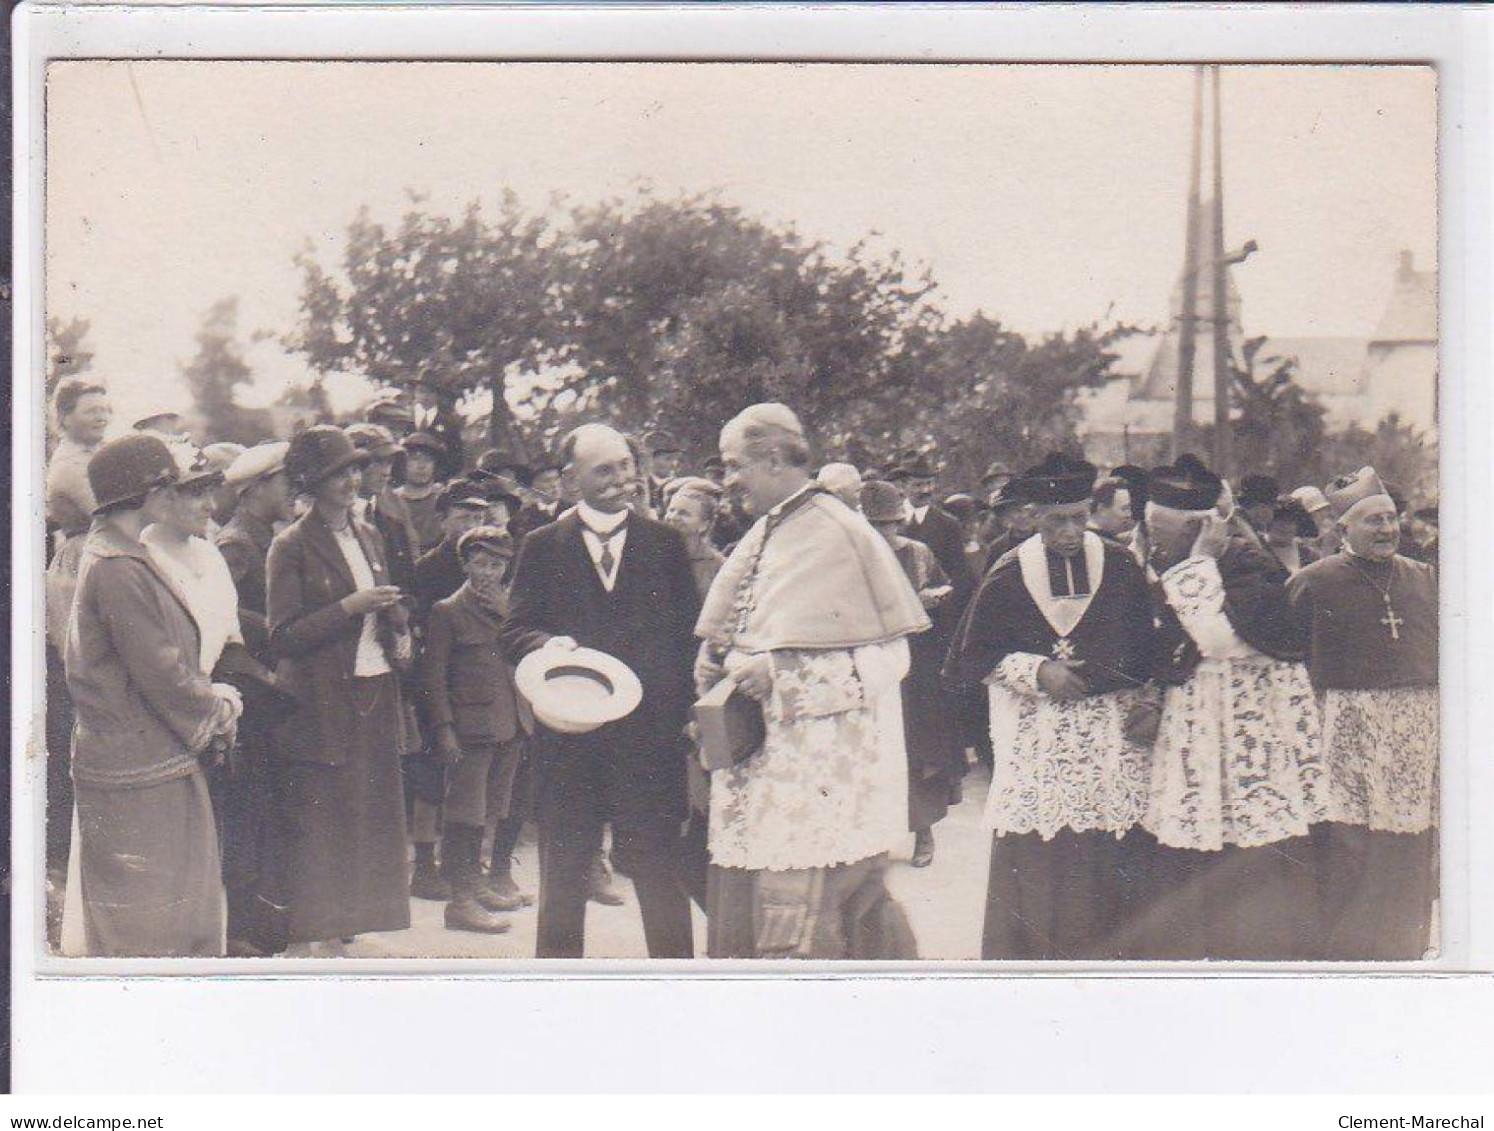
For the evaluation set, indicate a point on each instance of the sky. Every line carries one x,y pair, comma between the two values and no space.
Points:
1047,196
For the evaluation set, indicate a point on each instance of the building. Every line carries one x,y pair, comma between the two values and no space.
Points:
1357,380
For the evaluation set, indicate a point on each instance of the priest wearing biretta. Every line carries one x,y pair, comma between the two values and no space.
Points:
1236,772
1062,632
1371,618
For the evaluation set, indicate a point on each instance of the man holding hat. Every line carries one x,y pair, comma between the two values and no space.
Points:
419,491
477,722
150,873
1237,765
1062,632
606,578
1371,619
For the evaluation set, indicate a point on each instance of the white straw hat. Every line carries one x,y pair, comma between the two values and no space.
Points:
575,691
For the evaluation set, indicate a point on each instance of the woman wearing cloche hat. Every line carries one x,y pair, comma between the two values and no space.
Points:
341,630
147,849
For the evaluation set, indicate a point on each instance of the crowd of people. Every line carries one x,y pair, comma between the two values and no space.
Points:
284,695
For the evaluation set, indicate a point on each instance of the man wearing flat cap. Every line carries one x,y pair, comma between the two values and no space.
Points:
1237,767
810,617
147,713
1062,631
1371,619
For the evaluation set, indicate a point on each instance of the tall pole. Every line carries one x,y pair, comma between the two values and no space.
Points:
1222,363
1182,419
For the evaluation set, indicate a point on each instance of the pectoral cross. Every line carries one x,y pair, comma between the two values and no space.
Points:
1391,621
1063,649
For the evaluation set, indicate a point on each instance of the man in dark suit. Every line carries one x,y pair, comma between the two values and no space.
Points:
605,578
930,524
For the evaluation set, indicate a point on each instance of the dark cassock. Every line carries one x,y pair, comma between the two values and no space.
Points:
1236,769
1371,619
1069,788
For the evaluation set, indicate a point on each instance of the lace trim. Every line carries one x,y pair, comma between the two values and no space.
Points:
1238,758
827,788
1019,672
1064,763
1380,753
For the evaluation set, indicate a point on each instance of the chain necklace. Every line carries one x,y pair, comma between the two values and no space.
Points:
1389,620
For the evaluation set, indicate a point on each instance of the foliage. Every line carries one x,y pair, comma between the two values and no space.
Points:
452,306
215,375
1404,456
1279,429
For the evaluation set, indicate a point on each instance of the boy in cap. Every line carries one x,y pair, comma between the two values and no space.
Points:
478,722
1371,619
1062,632
151,882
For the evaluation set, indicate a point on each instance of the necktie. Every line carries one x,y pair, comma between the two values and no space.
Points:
608,559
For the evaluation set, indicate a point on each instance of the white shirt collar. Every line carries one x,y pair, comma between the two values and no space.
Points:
920,513
598,522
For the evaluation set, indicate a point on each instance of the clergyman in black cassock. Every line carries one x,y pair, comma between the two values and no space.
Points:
1063,632
1371,619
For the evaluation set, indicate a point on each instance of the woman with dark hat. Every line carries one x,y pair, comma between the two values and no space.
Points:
340,630
147,715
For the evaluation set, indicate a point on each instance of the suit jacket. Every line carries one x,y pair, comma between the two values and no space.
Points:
438,574
469,685
940,532
245,545
647,622
143,707
315,641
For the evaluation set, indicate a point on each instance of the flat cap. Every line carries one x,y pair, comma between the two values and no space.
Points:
258,462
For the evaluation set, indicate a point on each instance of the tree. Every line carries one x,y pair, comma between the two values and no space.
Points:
1279,429
67,354
215,375
681,312
451,306
1404,456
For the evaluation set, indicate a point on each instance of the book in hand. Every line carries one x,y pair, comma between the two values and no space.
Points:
731,726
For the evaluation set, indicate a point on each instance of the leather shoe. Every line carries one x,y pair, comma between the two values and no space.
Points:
465,913
502,885
923,848
428,883
496,901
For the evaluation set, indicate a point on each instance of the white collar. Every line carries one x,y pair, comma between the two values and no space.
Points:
598,522
920,513
1063,614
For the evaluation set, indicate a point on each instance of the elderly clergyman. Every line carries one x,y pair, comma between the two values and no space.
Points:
809,616
1062,630
1371,619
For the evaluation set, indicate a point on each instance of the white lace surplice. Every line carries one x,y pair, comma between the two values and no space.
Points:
1380,749
1060,763
1238,758
830,785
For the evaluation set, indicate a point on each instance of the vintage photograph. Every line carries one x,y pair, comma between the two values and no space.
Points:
915,512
